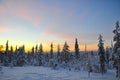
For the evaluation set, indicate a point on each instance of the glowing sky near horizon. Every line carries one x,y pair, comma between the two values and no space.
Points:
32,22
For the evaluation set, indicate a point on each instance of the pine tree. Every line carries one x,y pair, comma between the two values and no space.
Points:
7,46
23,48
51,51
11,49
116,49
40,48
16,49
58,51
107,56
20,56
101,53
11,54
65,52
36,49
6,55
33,50
40,54
76,49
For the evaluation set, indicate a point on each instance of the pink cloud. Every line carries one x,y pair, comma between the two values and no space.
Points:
3,29
1,10
58,34
22,10
36,15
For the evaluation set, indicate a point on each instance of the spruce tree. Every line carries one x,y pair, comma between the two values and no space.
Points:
11,49
16,49
40,48
51,51
101,53
116,49
32,50
58,51
76,49
20,56
6,55
36,49
107,56
66,52
11,54
23,48
7,46
40,54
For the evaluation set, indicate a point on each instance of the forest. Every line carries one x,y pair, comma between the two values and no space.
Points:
91,61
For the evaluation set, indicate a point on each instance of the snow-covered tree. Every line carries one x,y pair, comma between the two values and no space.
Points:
76,49
58,51
40,54
6,55
40,48
20,56
65,53
23,48
107,56
116,49
101,53
89,65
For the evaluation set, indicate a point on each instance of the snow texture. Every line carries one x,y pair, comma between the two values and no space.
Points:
46,73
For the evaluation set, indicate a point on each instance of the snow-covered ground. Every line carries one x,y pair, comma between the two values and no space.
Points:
45,73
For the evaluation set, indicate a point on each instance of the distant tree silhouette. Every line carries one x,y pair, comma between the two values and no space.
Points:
92,53
51,50
23,47
66,52
36,49
6,55
16,49
40,54
11,54
76,49
40,48
7,46
101,53
107,56
58,54
11,49
32,49
58,50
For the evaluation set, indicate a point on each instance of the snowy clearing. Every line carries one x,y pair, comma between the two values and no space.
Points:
46,73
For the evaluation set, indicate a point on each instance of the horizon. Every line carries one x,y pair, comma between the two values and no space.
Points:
47,49
42,21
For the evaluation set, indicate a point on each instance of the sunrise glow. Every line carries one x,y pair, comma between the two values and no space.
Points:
56,21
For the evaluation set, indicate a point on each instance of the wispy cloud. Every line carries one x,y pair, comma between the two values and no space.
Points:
57,21
3,29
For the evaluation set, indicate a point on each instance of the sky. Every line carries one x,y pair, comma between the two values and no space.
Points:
31,22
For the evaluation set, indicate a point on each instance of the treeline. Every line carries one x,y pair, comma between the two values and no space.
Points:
90,61
19,57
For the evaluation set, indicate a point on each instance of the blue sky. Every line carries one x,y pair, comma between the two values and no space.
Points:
32,22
